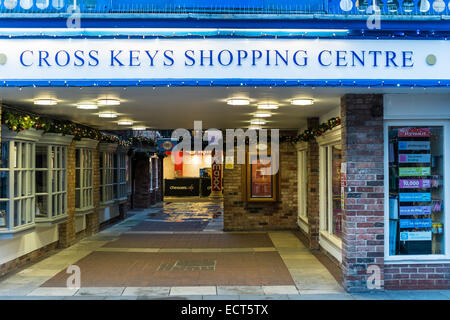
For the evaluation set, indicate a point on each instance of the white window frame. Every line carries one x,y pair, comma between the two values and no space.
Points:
27,201
327,240
302,186
414,259
60,152
121,176
154,171
150,164
107,181
85,189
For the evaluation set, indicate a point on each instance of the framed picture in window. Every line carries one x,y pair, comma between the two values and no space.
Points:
260,180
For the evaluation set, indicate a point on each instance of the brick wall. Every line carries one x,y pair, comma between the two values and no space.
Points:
92,221
363,215
417,276
239,215
67,229
312,206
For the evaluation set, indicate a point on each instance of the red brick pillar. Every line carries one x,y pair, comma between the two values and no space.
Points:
92,221
142,197
313,188
67,229
363,214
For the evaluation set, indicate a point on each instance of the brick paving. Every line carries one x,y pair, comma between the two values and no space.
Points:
120,261
198,240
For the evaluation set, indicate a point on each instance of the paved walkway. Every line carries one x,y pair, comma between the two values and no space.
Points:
178,251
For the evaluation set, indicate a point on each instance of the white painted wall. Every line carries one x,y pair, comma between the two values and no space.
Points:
108,213
24,243
417,106
80,223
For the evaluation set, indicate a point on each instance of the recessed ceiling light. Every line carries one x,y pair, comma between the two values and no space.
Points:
139,128
258,122
109,102
107,115
255,127
238,102
268,106
87,106
45,102
125,123
302,102
262,114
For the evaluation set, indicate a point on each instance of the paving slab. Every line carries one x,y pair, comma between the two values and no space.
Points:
188,291
146,291
100,291
240,290
49,291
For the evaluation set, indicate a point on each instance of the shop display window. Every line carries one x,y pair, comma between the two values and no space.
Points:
16,185
51,184
113,176
302,183
332,156
416,190
84,180
261,184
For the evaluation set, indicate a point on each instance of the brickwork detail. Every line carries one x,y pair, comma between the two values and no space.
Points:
67,229
92,220
417,276
239,215
313,212
143,197
26,258
363,215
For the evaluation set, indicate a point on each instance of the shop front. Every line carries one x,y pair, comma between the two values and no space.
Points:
361,162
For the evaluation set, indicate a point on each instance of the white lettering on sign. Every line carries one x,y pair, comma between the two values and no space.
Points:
97,59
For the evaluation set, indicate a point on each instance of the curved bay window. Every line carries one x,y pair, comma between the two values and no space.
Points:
113,174
17,174
107,165
121,176
84,176
51,178
330,155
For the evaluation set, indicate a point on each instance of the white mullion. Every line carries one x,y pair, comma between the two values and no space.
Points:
49,181
330,188
11,186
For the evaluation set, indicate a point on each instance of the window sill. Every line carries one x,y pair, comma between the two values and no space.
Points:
302,222
18,232
332,244
84,211
48,222
423,259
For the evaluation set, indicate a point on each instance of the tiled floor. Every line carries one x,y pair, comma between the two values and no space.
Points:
126,263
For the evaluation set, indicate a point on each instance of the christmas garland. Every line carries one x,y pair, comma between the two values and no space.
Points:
311,133
17,121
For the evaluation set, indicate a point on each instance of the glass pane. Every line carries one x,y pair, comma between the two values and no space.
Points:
4,160
55,208
336,187
63,175
41,157
41,181
64,203
4,184
24,187
16,154
77,199
16,212
78,158
326,175
77,178
4,214
41,206
16,184
416,189
63,157
23,215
